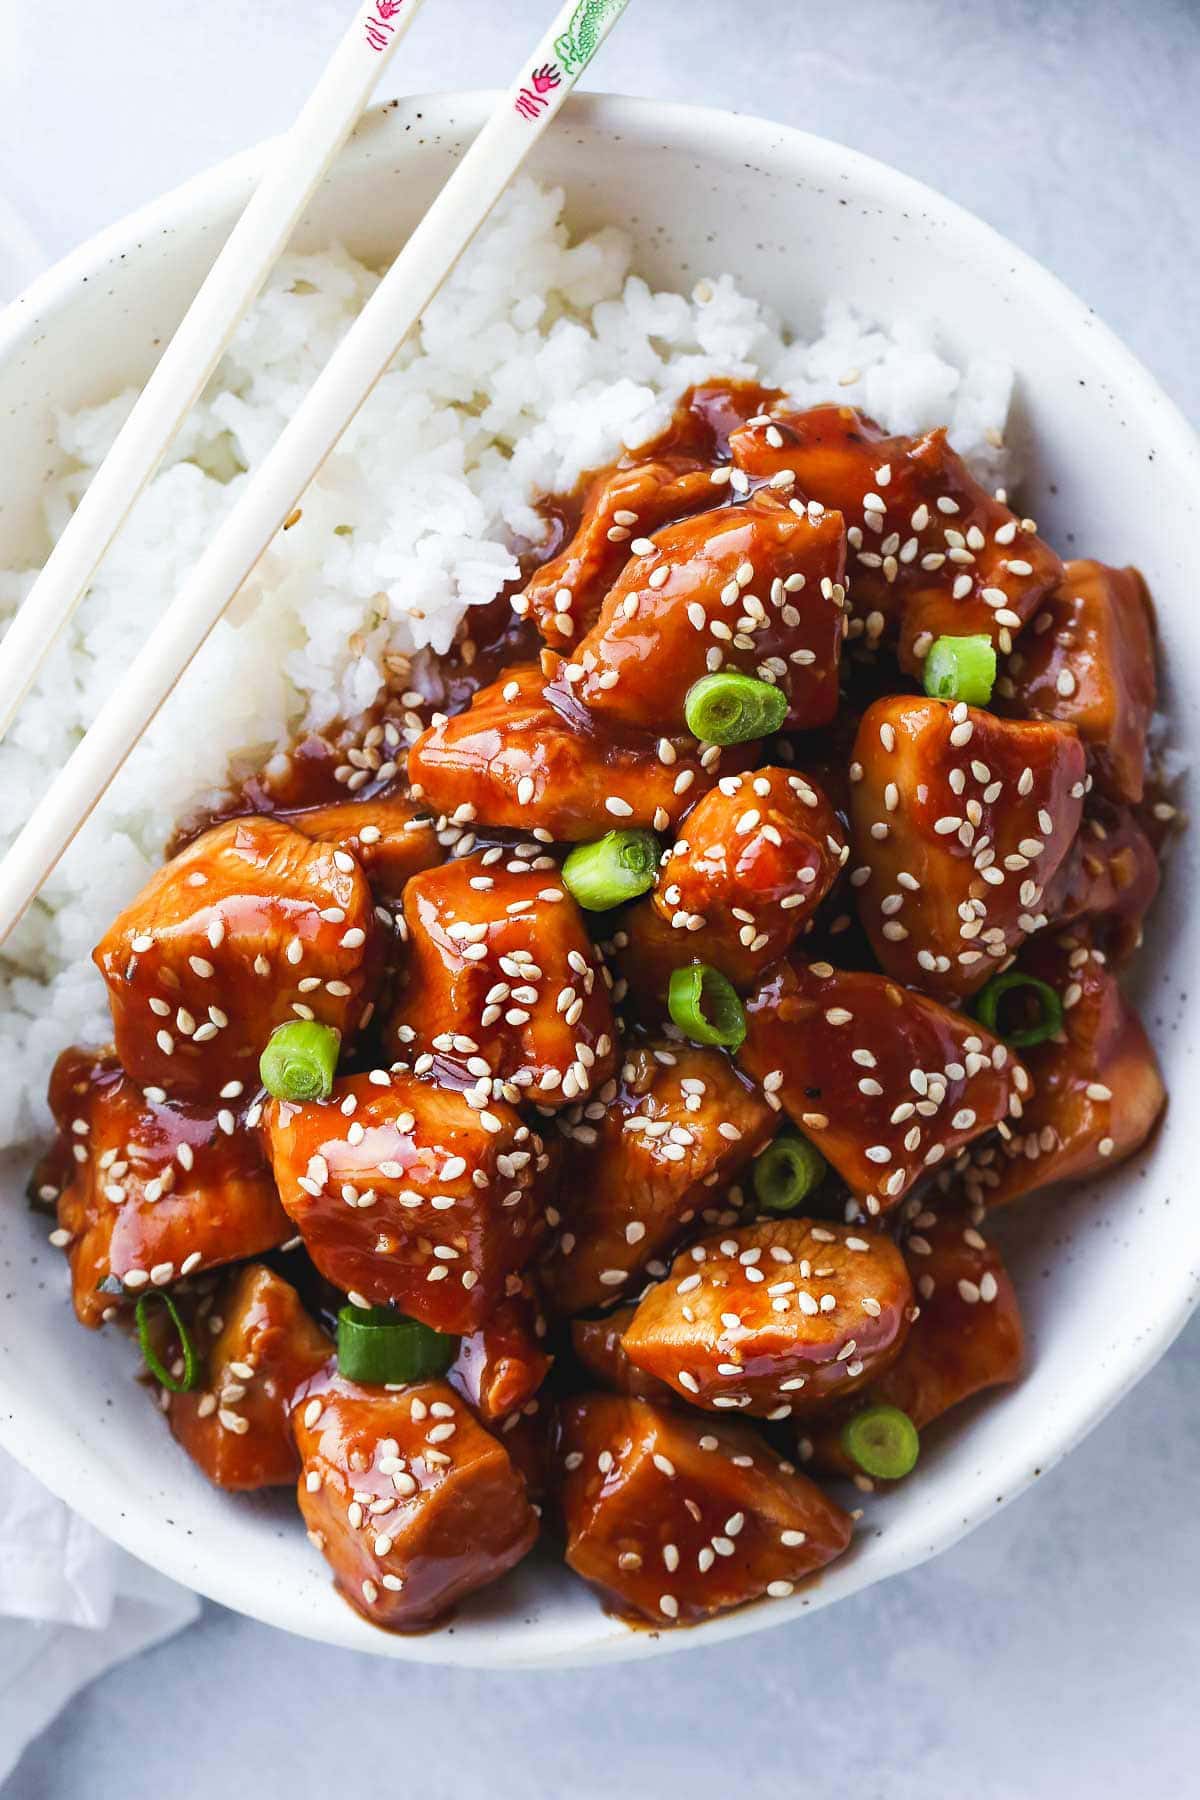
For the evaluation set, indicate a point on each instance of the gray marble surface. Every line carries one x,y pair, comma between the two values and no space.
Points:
1057,1652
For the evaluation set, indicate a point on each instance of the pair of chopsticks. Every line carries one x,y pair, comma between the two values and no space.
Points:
429,256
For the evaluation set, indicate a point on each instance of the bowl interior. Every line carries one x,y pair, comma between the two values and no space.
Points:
1107,1275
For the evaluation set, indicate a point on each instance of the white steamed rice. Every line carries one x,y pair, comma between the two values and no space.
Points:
541,358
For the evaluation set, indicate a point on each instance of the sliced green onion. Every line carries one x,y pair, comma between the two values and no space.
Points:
705,1006
1022,1037
377,1346
883,1441
787,1172
300,1060
617,867
961,668
729,708
191,1362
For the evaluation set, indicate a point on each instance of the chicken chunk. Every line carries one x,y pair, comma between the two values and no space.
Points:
886,1083
514,760
681,1125
1109,879
756,588
406,1195
1098,1088
503,1364
967,1335
960,821
237,1425
597,1345
413,1504
250,926
154,1191
527,1435
929,551
777,1319
621,507
1087,660
673,1519
390,837
502,982
754,861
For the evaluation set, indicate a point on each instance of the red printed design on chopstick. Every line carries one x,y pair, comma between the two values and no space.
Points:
532,98
379,25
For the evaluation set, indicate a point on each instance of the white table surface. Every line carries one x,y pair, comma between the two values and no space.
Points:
1057,1652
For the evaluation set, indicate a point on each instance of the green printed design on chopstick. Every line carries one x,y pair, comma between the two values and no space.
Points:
586,32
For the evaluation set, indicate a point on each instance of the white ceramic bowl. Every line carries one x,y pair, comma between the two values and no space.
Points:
1107,1276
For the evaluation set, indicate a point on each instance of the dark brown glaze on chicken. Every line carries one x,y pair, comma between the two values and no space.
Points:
673,1518
960,822
966,1335
1087,661
261,1347
407,1195
679,1128
886,1082
523,1150
774,1319
152,1192
414,1504
930,552
501,982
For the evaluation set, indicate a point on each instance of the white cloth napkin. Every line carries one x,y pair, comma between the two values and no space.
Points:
71,1603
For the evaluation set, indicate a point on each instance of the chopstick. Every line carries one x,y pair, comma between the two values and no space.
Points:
250,253
528,107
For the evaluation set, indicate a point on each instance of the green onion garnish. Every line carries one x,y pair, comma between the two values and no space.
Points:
378,1346
705,1006
787,1172
961,668
883,1441
300,1060
728,708
191,1362
617,867
1022,1037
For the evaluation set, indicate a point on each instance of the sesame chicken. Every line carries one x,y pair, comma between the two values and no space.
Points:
757,856
151,1193
411,1501
249,927
886,1082
1098,1091
960,821
929,551
502,1365
771,1319
407,1195
236,1426
502,983
756,588
674,1518
389,837
1109,879
967,1335
514,760
677,1130
597,1345
621,508
1087,660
